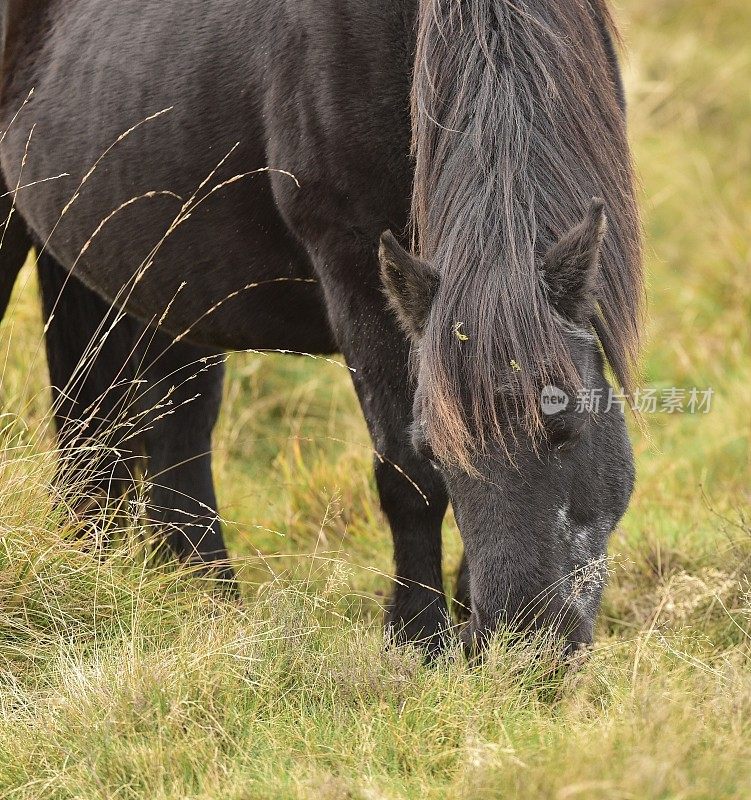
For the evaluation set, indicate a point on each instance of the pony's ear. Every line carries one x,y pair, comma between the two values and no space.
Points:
572,265
410,285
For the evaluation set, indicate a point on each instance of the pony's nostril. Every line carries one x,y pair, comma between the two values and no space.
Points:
475,636
467,639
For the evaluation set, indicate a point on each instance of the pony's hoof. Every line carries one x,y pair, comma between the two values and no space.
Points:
429,630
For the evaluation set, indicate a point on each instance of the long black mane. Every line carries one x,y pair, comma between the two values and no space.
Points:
518,124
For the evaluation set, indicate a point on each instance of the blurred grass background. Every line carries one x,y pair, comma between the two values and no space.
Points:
121,681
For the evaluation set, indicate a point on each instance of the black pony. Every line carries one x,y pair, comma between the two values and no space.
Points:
230,171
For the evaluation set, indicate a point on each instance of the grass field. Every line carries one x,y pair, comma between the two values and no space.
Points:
118,681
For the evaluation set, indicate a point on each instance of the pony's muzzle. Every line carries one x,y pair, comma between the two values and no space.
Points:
559,628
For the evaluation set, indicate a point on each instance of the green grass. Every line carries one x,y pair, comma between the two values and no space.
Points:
120,679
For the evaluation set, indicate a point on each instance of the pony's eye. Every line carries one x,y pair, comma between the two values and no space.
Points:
564,430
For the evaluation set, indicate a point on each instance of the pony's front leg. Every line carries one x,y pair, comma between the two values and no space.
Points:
414,502
412,493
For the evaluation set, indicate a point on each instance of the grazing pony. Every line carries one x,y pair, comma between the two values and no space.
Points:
229,173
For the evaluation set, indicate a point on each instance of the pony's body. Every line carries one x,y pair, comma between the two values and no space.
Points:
267,78
310,101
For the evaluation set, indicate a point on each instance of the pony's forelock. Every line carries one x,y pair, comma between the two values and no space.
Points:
516,127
